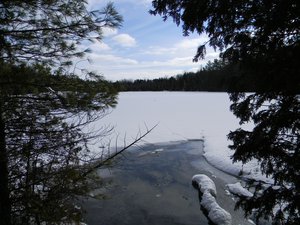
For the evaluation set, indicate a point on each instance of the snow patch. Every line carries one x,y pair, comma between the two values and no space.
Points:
239,190
205,184
207,187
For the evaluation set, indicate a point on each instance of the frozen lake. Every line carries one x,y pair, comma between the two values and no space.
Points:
182,117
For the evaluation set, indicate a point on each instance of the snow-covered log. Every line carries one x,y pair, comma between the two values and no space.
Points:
207,187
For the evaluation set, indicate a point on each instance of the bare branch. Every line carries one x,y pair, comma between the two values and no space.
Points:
110,157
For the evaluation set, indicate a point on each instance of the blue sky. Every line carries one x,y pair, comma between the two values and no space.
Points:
145,47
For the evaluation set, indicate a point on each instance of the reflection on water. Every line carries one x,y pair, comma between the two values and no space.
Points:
152,185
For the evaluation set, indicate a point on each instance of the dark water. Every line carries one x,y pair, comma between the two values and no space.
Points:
153,186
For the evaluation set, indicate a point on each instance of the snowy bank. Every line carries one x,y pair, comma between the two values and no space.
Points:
221,159
207,187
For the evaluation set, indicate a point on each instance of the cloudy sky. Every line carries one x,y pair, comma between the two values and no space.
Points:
145,46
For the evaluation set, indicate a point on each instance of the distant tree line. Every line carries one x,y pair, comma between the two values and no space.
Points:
217,75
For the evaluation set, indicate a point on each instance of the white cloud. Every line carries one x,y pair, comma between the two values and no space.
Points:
190,43
111,60
99,47
122,56
180,61
183,48
157,50
108,32
115,67
165,61
125,40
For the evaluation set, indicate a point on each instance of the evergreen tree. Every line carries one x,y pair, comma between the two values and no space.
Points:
49,31
274,142
45,161
261,40
46,148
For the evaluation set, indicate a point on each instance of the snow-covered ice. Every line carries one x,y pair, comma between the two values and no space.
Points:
181,116
207,187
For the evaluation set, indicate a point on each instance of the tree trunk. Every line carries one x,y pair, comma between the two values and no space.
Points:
5,206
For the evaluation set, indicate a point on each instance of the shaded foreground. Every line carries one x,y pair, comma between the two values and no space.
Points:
153,185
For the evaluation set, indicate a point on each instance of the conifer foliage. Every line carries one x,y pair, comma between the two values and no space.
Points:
45,158
274,142
49,31
259,39
43,118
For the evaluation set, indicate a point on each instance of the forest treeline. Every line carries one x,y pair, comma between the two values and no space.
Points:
215,76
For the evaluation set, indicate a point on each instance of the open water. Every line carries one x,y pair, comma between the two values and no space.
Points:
152,185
